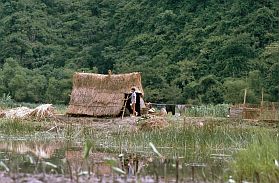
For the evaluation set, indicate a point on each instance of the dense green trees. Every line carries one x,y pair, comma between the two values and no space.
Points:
202,51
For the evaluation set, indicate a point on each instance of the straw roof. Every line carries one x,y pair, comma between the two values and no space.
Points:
101,95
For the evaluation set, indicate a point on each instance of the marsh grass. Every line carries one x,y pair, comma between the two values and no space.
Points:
178,139
213,144
226,147
18,126
256,163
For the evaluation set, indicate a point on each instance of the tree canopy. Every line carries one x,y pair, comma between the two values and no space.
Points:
190,51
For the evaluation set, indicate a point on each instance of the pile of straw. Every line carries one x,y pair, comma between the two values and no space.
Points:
40,112
101,95
19,112
154,123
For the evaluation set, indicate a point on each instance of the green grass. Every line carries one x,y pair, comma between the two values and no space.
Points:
251,149
256,163
220,110
17,126
178,139
60,108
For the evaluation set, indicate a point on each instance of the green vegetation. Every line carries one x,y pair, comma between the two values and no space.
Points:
245,152
212,136
18,127
231,148
6,101
220,110
205,51
257,162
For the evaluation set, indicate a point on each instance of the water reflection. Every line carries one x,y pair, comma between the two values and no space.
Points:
40,150
68,159
96,163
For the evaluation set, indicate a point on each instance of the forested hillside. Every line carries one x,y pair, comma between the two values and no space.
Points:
189,51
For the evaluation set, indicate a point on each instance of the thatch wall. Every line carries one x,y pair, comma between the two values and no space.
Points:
101,95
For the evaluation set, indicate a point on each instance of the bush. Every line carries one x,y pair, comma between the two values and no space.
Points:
6,101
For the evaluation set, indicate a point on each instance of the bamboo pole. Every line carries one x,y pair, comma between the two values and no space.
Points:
262,97
244,98
244,102
262,104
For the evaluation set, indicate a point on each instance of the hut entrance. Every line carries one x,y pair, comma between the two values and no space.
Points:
128,105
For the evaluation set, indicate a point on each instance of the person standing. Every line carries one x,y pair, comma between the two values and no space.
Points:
134,100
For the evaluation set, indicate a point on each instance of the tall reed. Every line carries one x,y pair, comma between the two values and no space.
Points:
176,139
257,163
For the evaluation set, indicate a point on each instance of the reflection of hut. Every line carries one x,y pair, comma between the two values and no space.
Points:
102,95
97,162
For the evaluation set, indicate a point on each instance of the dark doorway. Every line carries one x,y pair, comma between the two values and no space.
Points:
128,103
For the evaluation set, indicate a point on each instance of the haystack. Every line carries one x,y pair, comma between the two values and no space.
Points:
40,112
101,95
19,112
154,122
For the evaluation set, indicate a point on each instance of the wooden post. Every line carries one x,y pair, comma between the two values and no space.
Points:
244,102
273,111
244,99
165,171
177,170
262,97
262,105
193,173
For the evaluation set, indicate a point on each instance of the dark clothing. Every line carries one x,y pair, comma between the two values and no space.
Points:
129,101
170,108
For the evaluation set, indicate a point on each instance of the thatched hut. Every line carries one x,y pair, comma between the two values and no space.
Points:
102,95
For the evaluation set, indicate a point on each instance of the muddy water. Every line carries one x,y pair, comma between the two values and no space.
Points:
56,161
